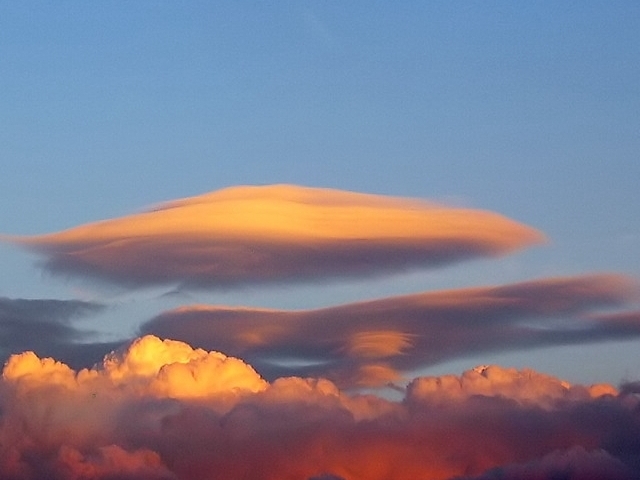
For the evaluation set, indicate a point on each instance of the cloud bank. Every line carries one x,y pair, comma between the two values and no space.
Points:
276,233
371,343
163,410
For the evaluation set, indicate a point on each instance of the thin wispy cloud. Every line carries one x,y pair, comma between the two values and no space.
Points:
374,342
245,235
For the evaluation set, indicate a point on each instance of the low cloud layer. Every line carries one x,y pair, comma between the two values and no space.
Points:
371,343
276,233
163,410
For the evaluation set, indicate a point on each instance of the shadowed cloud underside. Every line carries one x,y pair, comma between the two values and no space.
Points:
374,342
255,234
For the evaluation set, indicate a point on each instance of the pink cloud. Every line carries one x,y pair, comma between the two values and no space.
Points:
573,464
527,387
113,422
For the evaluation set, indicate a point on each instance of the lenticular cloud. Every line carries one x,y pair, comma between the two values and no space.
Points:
376,342
160,409
276,233
163,409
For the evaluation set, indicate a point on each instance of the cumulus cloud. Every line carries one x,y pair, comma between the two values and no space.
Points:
374,342
128,419
276,233
525,387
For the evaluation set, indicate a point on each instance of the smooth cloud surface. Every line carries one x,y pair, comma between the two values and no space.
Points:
163,410
371,343
276,233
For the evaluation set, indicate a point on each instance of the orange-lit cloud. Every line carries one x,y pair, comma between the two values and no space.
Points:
118,421
276,233
526,387
164,368
371,343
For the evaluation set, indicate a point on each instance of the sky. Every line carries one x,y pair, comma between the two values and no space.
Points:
319,222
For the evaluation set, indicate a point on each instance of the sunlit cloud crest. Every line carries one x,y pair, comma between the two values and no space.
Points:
114,422
210,391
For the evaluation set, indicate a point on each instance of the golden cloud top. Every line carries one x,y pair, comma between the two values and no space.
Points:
274,233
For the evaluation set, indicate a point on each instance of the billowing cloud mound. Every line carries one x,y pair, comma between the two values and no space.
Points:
163,410
371,343
164,368
527,386
275,233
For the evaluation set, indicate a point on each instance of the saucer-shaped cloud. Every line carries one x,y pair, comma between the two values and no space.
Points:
118,421
375,342
276,233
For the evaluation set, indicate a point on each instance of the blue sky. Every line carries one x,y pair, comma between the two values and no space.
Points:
529,110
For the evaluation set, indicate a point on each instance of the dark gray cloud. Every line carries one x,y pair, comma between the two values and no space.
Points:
48,328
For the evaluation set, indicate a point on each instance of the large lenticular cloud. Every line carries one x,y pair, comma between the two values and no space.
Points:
371,343
163,410
276,233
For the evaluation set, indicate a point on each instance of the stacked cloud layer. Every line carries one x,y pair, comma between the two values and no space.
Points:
281,402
